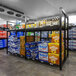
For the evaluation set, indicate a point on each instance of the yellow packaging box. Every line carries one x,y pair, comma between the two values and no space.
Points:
54,58
54,48
22,52
55,36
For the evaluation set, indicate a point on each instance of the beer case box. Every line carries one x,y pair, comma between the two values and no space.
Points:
34,55
43,56
43,47
54,58
55,37
54,48
22,52
28,54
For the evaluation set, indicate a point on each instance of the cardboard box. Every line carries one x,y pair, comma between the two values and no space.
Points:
22,52
54,48
54,58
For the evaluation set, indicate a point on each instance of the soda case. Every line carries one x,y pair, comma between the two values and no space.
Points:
32,50
22,45
13,33
43,47
43,56
37,36
44,34
3,34
19,34
72,44
13,44
3,43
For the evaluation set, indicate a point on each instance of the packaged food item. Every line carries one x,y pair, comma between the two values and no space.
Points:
43,47
43,56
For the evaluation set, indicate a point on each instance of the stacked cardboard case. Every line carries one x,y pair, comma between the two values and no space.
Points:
22,45
32,50
72,36
49,52
13,44
53,49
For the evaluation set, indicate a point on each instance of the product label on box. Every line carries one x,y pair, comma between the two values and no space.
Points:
43,56
43,47
53,48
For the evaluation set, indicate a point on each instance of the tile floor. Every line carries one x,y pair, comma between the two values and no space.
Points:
15,66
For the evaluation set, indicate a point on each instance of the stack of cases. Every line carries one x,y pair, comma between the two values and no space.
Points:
43,51
13,33
3,34
19,34
37,36
44,35
3,43
53,49
22,45
72,36
30,37
32,50
14,45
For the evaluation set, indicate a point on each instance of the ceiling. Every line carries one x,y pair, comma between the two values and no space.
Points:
40,8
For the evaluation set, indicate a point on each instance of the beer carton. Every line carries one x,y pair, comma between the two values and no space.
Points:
43,47
43,56
54,48
54,58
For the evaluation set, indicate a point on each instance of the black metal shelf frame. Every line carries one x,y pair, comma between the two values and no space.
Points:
52,28
57,28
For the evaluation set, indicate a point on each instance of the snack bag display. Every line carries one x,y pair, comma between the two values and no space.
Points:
43,56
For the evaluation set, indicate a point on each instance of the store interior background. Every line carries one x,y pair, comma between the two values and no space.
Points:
37,9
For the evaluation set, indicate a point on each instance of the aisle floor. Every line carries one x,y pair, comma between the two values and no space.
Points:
15,66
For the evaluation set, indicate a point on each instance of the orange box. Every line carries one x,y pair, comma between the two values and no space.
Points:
22,52
55,37
53,48
54,58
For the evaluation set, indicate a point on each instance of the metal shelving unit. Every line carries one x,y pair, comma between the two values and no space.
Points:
52,28
56,28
